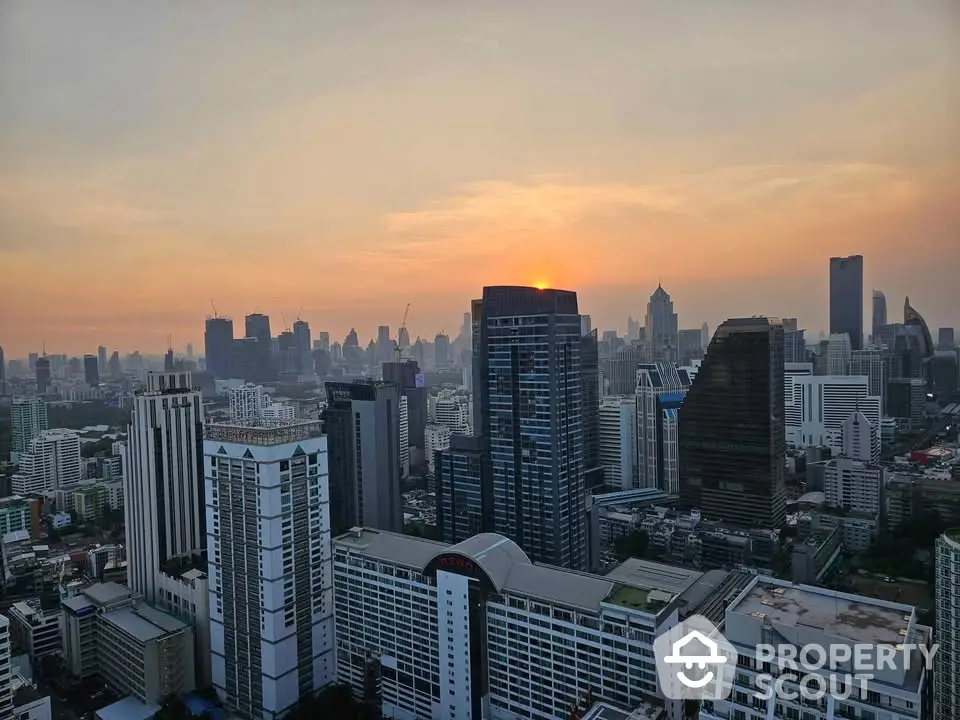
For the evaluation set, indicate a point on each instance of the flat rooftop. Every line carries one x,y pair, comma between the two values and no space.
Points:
654,575
850,617
604,711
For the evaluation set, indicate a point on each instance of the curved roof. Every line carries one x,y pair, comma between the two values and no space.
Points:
494,553
912,318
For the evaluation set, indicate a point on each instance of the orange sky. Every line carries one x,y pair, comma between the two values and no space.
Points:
348,160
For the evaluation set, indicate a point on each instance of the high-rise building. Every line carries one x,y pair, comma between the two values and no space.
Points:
912,319
731,442
51,462
464,501
590,394
113,365
821,404
618,440
794,346
441,349
271,597
846,298
879,314
660,390
362,424
322,342
946,686
441,642
406,375
661,326
854,481
6,686
91,372
43,374
301,340
620,370
586,324
102,359
28,418
530,397
247,403
258,326
945,341
218,343
704,336
164,506
3,374
839,352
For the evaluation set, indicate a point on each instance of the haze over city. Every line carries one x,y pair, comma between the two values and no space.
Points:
335,161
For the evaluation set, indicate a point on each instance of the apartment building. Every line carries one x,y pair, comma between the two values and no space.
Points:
35,627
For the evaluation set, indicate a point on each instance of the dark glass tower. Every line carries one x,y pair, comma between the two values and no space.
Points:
218,344
731,428
590,392
532,421
91,370
464,502
846,298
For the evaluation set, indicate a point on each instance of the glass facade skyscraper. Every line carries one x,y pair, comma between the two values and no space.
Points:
846,298
531,419
731,436
464,503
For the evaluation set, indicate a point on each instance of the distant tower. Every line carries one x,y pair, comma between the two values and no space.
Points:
879,314
661,326
218,342
163,479
43,374
102,360
846,298
946,685
91,372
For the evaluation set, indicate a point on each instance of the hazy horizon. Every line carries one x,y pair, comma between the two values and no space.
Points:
336,161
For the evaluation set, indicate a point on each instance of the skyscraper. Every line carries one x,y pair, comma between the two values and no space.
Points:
846,298
43,374
91,372
258,326
660,389
946,685
661,326
271,577
3,374
163,479
731,440
28,417
590,392
301,339
405,374
945,341
879,314
102,359
531,404
464,500
218,342
441,349
362,425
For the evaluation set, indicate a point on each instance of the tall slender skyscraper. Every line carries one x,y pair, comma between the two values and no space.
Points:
879,314
43,374
661,326
28,418
531,404
946,684
91,371
846,298
218,343
590,394
163,479
301,339
3,374
731,439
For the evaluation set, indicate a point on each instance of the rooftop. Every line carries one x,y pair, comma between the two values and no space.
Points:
654,576
603,711
278,433
128,709
108,593
850,617
143,623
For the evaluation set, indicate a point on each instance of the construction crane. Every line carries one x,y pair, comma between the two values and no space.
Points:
286,326
403,326
214,308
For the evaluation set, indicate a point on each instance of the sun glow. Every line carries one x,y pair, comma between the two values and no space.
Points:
541,284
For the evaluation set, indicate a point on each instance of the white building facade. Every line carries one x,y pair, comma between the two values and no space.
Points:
163,487
817,406
618,440
854,481
52,462
268,546
28,418
661,388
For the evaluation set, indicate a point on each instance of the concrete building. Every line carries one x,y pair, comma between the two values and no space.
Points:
854,481
18,513
660,390
163,487
52,461
911,494
437,438
476,631
817,407
874,363
839,353
662,333
270,578
6,688
777,612
35,627
464,501
28,418
946,688
879,314
247,402
185,594
107,631
618,440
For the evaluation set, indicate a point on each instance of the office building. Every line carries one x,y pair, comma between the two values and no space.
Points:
163,479
52,462
879,314
107,631
906,402
218,344
6,686
872,362
838,355
437,439
247,402
731,434
913,320
405,374
661,327
946,687
268,546
777,612
618,440
689,346
945,340
530,396
441,350
795,346
91,371
28,418
476,631
18,513
362,424
660,390
590,396
3,374
854,480
846,298
823,403
301,343
35,626
620,370
43,375
464,501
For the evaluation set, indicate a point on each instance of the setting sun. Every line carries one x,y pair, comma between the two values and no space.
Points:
541,284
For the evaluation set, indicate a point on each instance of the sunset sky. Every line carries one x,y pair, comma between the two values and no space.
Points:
349,157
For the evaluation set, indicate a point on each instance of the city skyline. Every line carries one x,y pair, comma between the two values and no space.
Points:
348,160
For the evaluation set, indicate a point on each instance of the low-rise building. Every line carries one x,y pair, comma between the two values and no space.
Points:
17,513
35,627
107,631
89,503
185,594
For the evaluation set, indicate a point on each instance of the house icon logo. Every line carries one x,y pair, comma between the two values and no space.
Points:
695,661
